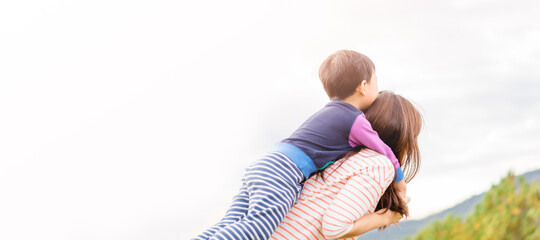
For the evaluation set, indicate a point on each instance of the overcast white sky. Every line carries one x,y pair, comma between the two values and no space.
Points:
136,119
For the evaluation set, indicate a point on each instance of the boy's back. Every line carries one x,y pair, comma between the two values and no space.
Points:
325,135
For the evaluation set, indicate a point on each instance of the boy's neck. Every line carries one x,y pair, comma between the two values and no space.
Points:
356,101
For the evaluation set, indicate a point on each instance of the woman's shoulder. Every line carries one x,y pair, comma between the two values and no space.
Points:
366,163
370,163
370,158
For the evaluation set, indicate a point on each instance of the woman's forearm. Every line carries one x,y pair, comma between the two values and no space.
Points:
369,222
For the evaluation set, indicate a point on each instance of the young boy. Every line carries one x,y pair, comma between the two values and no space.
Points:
272,184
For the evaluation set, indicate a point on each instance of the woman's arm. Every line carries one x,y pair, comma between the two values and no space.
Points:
372,221
356,198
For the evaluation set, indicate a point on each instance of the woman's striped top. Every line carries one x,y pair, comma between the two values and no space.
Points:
328,208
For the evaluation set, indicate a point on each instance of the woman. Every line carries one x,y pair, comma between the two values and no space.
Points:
339,202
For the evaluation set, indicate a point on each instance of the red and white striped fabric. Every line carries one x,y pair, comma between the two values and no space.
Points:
328,208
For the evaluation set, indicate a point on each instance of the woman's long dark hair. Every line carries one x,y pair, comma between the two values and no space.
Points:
398,124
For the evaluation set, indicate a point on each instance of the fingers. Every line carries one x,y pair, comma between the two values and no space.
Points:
402,194
397,218
407,199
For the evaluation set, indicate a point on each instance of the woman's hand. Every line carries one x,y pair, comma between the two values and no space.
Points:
391,216
375,220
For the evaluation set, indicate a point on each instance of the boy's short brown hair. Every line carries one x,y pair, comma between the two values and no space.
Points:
343,71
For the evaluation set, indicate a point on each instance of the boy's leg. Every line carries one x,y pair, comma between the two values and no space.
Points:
273,184
237,211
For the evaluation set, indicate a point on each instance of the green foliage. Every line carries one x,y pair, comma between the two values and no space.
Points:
510,210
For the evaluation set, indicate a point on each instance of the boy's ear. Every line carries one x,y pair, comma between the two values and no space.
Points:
361,89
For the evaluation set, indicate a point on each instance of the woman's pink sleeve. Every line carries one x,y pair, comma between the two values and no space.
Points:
358,196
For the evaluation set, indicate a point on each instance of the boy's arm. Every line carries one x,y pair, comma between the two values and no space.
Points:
363,135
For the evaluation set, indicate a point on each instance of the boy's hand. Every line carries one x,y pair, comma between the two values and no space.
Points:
407,200
401,189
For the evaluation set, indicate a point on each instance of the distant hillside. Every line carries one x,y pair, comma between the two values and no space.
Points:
409,228
509,210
